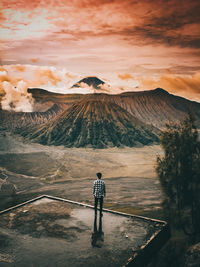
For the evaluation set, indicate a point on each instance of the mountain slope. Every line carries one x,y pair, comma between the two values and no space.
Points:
157,107
95,124
10,120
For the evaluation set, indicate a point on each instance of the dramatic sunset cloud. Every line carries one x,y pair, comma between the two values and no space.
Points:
134,43
187,86
16,97
46,77
125,76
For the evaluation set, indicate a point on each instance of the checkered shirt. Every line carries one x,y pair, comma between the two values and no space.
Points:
99,188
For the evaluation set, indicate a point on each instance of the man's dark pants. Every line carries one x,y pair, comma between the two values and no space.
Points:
96,200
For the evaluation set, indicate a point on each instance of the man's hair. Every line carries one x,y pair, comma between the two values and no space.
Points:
99,174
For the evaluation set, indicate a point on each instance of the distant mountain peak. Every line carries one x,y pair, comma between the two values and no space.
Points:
160,90
90,81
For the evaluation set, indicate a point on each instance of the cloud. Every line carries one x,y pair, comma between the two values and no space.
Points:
17,98
43,76
4,77
2,68
184,85
105,88
125,76
83,88
35,60
70,75
20,68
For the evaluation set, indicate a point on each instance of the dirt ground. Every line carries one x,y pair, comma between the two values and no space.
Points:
129,174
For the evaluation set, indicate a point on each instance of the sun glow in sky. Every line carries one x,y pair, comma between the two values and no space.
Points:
132,45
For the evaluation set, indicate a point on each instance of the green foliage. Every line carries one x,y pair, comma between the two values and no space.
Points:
179,174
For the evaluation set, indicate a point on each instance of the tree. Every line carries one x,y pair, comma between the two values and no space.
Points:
179,174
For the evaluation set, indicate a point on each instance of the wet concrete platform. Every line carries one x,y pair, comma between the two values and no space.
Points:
50,231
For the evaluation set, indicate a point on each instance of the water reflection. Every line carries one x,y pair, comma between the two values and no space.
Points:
97,237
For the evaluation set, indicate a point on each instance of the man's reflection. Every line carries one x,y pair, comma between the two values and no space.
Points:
97,238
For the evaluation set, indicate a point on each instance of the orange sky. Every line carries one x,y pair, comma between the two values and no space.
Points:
133,45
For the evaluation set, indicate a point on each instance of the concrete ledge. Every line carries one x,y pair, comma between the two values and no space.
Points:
144,253
142,257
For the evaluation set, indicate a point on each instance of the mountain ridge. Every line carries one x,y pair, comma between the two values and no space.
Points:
156,107
10,120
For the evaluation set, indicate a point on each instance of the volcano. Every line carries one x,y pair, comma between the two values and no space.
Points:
97,124
90,81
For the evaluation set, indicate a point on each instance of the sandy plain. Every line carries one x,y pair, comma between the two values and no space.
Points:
131,181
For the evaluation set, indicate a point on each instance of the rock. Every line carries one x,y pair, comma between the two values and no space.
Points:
192,258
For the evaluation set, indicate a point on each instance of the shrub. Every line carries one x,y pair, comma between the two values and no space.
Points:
179,174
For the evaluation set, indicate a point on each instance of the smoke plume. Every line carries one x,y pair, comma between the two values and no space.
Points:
17,98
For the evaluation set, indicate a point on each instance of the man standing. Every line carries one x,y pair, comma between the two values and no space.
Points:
99,192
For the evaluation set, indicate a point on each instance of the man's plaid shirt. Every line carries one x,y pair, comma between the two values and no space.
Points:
99,188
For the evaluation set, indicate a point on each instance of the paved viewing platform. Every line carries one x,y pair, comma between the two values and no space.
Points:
50,231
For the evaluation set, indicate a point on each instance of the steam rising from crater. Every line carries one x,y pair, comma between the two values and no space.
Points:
16,97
